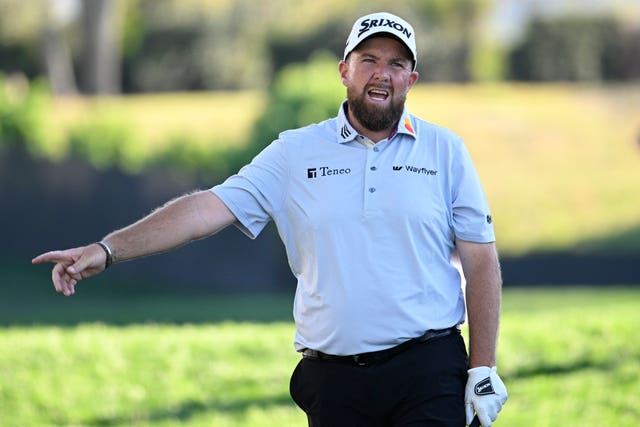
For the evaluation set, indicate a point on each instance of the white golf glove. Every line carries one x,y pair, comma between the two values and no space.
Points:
485,394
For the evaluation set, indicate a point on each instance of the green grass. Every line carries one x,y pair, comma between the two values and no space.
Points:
229,374
569,356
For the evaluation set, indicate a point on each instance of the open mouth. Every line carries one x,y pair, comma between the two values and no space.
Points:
378,94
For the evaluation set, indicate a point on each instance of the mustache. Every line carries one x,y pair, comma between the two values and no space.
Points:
381,86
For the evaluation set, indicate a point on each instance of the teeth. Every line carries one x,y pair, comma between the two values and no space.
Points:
377,93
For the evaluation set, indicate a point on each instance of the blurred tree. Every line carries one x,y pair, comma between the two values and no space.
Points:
198,45
58,61
284,49
101,56
206,44
224,44
301,94
621,60
173,45
568,48
22,114
44,38
446,35
19,26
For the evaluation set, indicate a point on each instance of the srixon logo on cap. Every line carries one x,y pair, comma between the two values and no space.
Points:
367,24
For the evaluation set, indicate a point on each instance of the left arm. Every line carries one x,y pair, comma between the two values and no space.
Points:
485,392
481,269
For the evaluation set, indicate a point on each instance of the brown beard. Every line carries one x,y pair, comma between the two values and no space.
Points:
373,117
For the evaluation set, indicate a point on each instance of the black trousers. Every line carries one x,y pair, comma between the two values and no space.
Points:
422,386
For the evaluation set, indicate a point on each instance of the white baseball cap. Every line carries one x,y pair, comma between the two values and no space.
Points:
386,23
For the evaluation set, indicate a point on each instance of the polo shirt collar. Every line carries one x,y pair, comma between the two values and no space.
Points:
346,133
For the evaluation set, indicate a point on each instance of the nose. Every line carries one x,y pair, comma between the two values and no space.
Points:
382,73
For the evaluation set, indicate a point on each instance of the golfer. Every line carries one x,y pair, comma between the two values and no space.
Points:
370,205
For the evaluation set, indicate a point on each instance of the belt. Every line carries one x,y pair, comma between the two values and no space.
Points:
377,357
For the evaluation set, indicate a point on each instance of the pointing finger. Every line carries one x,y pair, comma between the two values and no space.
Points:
53,256
46,257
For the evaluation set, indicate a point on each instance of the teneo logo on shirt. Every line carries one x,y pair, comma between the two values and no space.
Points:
326,171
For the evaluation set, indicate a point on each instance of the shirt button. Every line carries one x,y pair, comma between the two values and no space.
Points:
372,190
373,168
376,149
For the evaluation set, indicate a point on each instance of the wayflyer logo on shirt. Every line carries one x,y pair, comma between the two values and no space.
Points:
416,169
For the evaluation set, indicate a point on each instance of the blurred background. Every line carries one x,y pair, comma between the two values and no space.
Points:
108,108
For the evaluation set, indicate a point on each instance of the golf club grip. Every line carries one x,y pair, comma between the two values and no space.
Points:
475,422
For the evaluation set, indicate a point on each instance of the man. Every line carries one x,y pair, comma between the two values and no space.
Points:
370,206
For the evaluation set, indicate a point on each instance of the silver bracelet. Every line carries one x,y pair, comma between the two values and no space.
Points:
107,250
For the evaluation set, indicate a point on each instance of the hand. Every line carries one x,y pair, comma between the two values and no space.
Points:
73,265
485,394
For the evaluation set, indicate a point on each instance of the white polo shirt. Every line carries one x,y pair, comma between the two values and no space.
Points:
368,232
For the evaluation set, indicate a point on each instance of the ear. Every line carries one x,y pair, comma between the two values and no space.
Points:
414,78
343,68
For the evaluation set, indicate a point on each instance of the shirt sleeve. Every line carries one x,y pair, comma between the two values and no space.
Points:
471,215
256,193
